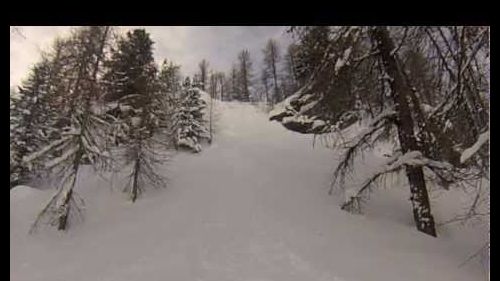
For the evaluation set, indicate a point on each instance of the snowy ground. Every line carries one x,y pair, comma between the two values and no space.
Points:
252,207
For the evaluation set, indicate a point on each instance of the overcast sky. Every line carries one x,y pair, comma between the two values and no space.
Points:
185,45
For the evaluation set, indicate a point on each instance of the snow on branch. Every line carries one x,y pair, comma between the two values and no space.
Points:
469,152
357,143
37,154
58,160
292,113
295,111
393,164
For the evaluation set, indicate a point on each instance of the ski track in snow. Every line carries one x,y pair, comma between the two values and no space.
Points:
253,206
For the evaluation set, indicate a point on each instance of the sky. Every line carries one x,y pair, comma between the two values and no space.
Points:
184,45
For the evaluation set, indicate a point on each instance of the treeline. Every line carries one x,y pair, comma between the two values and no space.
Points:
98,98
276,79
424,90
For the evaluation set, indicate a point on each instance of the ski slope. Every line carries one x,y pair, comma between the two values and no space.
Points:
253,206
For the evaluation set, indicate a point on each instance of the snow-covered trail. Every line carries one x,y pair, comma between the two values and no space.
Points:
252,206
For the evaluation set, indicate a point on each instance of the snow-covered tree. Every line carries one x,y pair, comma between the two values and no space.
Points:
39,107
416,87
142,107
82,137
189,123
169,87
29,119
169,80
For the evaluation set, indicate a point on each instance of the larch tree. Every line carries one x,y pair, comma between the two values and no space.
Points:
213,89
221,80
234,87
264,77
203,65
245,75
381,76
272,58
83,134
289,84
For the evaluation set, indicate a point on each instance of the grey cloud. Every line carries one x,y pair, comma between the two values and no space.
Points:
184,45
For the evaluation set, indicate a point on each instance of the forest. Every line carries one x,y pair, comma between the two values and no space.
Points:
370,108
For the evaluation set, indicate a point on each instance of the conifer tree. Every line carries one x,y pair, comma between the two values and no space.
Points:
82,136
189,123
416,88
244,75
142,107
29,112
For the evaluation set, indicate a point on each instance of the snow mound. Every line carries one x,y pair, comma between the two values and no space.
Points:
22,192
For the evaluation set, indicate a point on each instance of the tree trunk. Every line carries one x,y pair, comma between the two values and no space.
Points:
135,184
212,95
221,81
267,94
277,96
400,93
65,207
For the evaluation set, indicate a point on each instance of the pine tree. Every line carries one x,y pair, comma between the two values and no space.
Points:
188,119
35,113
169,79
169,91
142,107
314,42
28,116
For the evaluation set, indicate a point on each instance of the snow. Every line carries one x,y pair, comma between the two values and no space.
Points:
56,161
427,108
252,206
136,121
343,60
482,139
45,149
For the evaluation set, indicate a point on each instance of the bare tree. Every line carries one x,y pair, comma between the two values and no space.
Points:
271,60
265,82
290,83
203,73
213,94
222,82
245,74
